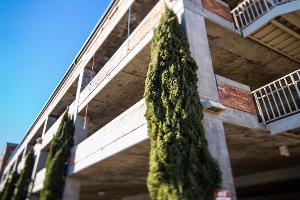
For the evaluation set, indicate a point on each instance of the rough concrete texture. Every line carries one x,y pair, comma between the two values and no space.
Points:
245,60
253,151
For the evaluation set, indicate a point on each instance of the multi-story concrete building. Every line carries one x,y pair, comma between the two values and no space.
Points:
249,60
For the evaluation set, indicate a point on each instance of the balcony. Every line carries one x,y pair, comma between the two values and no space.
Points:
272,23
278,104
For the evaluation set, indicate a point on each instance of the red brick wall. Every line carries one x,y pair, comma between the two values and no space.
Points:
236,98
5,155
218,8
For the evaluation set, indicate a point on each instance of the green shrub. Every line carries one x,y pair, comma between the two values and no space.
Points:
181,167
56,166
23,183
10,186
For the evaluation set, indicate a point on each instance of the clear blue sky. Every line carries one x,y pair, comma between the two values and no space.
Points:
38,41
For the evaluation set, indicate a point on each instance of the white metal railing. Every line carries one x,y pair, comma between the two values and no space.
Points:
278,99
250,10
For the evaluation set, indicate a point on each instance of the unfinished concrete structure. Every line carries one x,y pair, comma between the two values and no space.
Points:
248,82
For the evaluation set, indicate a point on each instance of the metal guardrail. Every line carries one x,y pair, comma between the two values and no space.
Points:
250,10
279,98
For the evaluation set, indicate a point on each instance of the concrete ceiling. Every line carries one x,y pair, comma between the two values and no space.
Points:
121,93
119,176
139,9
125,174
245,60
253,151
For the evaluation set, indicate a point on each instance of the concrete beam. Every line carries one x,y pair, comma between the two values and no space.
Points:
71,189
95,41
130,48
191,16
268,177
278,10
80,132
48,123
124,131
217,145
285,124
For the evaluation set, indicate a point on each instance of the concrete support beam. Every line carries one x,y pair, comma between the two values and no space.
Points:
126,130
192,18
268,177
48,123
85,78
217,145
80,132
40,161
190,13
137,197
72,189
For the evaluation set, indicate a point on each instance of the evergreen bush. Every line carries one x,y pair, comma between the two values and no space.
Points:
181,167
10,186
23,183
56,166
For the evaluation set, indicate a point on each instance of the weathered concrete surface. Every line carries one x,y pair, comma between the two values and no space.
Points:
285,124
254,151
217,146
244,60
121,175
268,177
80,129
71,189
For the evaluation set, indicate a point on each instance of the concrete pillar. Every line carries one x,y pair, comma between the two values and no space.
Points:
217,145
80,132
190,15
192,18
85,78
137,197
72,189
39,163
34,197
48,123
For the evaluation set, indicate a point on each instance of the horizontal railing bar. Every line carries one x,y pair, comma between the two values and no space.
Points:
297,71
241,13
279,98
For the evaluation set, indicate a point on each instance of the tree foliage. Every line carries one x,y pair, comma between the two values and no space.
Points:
23,183
56,166
10,186
181,167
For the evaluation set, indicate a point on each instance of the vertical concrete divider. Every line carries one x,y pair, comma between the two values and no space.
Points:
190,14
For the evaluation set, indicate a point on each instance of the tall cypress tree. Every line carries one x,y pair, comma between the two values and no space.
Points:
21,190
181,167
10,186
56,166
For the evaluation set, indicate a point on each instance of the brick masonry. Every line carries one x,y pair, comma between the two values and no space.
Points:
236,98
9,149
218,8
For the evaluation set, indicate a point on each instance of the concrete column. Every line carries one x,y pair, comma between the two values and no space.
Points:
80,132
192,18
34,197
72,189
49,122
137,197
217,145
40,162
85,78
